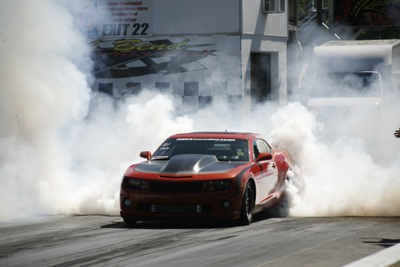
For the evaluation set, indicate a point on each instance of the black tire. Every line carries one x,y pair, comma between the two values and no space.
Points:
130,221
282,210
246,214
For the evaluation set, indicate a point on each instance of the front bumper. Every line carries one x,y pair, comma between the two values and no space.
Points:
148,205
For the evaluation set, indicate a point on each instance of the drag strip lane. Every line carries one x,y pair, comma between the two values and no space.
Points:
107,241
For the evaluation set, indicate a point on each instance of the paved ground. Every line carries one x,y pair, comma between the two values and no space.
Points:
107,241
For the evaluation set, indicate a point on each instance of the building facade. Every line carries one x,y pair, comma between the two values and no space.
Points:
203,52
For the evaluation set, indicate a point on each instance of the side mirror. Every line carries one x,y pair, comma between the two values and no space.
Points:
264,156
145,154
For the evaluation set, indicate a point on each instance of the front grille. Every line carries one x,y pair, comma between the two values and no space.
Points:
162,208
176,187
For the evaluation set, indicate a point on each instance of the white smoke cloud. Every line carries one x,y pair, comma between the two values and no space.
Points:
41,89
342,177
346,158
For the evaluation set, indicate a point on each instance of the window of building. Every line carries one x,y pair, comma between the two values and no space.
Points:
191,89
273,6
163,86
132,88
106,88
205,101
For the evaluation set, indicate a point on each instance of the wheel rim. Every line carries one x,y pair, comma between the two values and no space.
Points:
249,201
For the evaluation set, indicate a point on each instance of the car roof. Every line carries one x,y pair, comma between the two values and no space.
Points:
234,135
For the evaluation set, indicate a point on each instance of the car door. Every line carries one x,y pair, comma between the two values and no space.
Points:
269,174
257,172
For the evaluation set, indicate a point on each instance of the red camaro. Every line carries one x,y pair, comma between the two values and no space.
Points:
205,175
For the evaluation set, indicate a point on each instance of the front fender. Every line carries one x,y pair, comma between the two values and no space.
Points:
242,178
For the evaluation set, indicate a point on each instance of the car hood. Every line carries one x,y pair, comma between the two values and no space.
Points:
187,164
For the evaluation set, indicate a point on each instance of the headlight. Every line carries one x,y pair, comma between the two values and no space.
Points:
218,185
222,184
133,183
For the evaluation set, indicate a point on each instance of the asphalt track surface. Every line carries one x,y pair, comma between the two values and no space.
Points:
268,241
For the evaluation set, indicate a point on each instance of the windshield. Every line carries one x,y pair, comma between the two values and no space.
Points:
222,148
345,84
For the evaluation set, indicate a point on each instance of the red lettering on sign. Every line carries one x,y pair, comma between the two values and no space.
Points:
195,53
133,54
99,54
210,53
182,53
169,53
119,54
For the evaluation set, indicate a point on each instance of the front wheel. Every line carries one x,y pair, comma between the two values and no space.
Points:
246,215
130,221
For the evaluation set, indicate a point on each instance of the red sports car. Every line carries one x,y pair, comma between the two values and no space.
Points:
205,175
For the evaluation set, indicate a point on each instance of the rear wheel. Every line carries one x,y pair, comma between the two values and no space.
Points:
282,209
246,215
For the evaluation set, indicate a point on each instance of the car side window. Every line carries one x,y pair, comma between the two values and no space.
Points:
256,152
268,148
260,146
265,147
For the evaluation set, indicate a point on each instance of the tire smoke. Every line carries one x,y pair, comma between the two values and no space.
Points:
354,173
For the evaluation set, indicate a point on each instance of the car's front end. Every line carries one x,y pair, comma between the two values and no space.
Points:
151,196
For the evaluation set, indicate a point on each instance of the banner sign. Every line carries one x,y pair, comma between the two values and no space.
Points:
366,13
190,66
116,18
120,58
